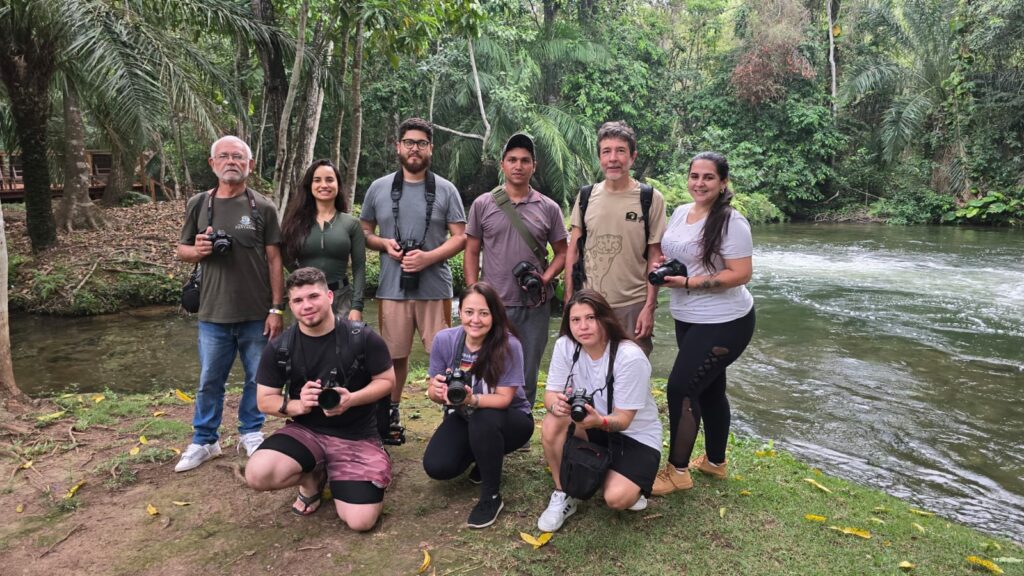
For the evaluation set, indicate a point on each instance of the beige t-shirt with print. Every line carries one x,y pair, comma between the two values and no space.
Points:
613,256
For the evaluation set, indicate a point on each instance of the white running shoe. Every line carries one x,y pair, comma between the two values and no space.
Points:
640,504
250,441
560,507
196,454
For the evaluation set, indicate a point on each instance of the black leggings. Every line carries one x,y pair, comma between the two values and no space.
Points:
485,437
696,386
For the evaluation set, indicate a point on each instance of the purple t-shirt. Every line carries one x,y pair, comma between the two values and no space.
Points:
503,247
442,355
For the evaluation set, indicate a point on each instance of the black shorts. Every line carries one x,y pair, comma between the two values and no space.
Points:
636,461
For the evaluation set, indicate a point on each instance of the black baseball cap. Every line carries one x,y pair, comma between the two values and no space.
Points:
519,140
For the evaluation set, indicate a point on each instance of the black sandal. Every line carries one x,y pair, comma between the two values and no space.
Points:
308,501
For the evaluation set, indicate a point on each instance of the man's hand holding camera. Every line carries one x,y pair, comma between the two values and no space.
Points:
416,260
394,249
310,397
203,245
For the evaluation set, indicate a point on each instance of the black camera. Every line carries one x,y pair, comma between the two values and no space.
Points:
409,280
222,242
671,268
329,397
456,381
578,400
529,280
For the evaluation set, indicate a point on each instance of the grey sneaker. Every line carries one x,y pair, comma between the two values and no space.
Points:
196,454
250,441
560,507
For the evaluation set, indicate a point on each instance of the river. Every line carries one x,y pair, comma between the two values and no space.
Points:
890,356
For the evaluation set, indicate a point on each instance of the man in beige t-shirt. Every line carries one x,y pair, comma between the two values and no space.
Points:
613,259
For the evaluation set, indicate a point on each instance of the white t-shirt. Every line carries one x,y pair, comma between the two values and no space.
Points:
682,242
632,386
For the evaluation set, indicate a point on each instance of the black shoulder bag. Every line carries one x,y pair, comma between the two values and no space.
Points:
584,463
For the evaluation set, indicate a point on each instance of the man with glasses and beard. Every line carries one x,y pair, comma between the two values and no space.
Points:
415,219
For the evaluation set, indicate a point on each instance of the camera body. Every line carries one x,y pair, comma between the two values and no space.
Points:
329,397
222,242
457,382
528,277
671,268
578,400
409,280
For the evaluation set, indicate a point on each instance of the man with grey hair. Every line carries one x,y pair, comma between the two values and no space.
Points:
232,233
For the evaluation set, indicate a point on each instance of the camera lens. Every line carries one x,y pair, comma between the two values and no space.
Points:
328,399
456,387
578,410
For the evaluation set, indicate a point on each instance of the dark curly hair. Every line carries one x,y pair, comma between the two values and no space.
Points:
300,216
717,223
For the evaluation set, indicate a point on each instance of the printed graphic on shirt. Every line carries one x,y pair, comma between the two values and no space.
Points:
601,253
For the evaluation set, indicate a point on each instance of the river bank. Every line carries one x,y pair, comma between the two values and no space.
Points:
93,492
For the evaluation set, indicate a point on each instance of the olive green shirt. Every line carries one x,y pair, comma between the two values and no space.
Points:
330,248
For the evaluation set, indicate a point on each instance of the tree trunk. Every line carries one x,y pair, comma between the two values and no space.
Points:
189,187
339,126
275,82
28,94
76,208
356,137
831,51
9,391
280,178
121,175
241,67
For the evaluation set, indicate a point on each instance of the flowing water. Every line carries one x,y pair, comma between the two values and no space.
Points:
890,356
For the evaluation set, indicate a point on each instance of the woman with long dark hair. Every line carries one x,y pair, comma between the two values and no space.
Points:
486,417
714,319
593,354
317,231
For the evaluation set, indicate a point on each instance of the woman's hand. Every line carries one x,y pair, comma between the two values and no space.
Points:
560,407
355,315
593,419
438,390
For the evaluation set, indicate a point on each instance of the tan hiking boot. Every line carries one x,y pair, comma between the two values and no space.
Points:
704,465
669,480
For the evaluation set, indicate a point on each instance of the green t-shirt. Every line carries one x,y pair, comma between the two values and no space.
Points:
235,285
330,249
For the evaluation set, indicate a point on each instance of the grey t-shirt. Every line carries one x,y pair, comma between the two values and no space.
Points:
435,281
632,385
236,285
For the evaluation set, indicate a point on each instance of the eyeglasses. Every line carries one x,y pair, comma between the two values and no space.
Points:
224,157
409,144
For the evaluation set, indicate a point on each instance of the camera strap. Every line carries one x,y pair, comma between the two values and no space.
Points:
609,379
256,219
397,184
502,200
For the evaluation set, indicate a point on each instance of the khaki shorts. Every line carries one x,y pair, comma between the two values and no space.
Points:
399,319
627,316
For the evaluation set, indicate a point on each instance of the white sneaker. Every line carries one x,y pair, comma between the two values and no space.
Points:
196,454
560,507
640,504
250,441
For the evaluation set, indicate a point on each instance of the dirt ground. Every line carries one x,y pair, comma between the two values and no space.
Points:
225,528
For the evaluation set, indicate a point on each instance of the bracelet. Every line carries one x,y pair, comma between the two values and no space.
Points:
284,405
275,311
687,284
604,423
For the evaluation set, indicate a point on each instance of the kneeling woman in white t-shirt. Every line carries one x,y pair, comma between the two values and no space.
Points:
630,428
494,418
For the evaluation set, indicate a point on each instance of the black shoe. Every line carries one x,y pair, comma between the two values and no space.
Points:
474,475
485,512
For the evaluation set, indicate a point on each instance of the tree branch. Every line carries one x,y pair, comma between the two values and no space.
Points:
479,94
457,133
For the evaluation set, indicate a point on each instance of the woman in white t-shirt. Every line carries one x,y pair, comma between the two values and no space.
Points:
591,337
714,319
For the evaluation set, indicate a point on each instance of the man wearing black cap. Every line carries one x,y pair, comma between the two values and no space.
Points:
513,226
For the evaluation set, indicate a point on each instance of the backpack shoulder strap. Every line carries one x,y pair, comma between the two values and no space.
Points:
283,357
350,346
579,274
646,199
609,379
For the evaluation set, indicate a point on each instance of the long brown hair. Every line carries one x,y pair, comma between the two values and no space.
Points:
716,225
603,313
494,355
300,216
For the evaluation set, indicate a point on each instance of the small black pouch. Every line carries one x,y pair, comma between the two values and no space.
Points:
190,291
584,466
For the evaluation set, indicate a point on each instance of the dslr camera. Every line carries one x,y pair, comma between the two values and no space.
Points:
329,397
409,280
529,280
222,242
671,268
578,400
457,383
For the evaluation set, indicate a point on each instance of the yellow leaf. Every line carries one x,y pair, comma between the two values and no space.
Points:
143,440
853,532
180,503
98,398
529,539
183,397
543,539
134,450
876,520
837,30
906,566
745,493
918,526
177,451
814,518
765,454
721,512
737,477
26,465
817,485
73,490
151,510
51,416
921,512
425,564
158,413
991,546
20,508
986,564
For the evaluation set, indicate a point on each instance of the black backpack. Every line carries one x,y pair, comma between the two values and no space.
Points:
579,276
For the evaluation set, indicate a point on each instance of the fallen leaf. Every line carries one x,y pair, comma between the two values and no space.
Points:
991,546
176,451
26,465
73,490
876,520
158,413
881,510
180,503
853,532
921,512
536,542
1008,560
425,564
745,492
98,398
906,566
143,440
986,564
51,416
765,454
814,518
134,450
817,485
183,397
737,477
151,510
721,512
918,527
543,539
20,508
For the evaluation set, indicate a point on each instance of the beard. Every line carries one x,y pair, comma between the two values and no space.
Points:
232,176
414,164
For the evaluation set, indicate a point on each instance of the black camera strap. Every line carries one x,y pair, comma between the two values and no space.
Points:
609,379
502,200
257,220
397,184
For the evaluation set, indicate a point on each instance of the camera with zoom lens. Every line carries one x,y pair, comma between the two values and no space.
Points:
222,242
578,400
457,383
329,397
529,280
409,280
671,268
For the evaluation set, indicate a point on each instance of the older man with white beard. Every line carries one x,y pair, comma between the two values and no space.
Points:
232,233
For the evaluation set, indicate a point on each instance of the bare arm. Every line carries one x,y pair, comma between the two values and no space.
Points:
557,263
379,243
471,262
417,260
645,320
196,252
274,322
571,255
737,272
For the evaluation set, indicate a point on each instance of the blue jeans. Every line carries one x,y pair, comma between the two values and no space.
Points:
218,344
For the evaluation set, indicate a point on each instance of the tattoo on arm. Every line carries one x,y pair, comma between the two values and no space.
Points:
711,282
614,426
